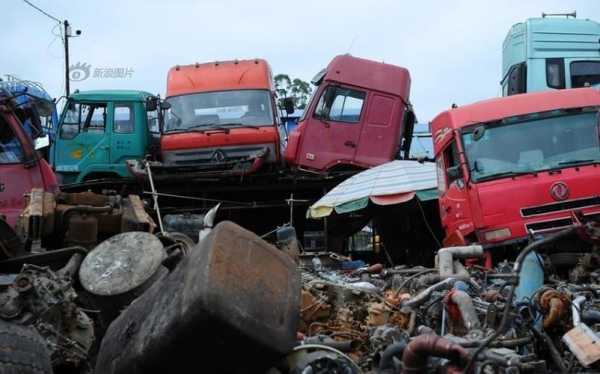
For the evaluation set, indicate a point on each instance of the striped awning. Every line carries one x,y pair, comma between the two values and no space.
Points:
391,183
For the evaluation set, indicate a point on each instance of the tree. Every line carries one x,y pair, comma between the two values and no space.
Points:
295,88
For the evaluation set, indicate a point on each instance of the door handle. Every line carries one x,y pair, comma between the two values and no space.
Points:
350,143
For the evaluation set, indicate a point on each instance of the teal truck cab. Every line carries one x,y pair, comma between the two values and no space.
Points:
550,53
99,130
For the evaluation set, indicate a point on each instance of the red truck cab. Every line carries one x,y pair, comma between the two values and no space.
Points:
359,116
222,116
21,167
515,166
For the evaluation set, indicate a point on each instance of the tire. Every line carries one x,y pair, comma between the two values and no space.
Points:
22,350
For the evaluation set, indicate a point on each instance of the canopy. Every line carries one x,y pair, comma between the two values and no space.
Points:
391,183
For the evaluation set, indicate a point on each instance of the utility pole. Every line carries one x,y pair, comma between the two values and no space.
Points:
67,33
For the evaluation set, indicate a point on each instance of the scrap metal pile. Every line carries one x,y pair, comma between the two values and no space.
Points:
454,318
122,299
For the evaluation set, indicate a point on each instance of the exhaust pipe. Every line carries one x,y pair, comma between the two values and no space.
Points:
447,255
417,352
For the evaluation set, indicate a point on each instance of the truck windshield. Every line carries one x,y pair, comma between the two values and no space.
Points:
219,109
585,73
505,149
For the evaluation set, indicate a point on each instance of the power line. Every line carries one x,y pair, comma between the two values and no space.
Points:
42,11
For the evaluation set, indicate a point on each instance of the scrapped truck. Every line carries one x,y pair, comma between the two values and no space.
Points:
99,130
520,167
360,116
21,167
550,53
222,121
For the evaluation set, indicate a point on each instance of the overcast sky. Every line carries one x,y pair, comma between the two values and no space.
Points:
452,48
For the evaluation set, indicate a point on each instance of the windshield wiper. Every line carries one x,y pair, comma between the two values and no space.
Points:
238,124
503,174
574,162
175,131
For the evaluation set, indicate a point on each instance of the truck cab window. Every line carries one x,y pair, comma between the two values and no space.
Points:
555,73
153,119
96,118
123,119
10,147
340,104
517,79
585,73
452,160
82,117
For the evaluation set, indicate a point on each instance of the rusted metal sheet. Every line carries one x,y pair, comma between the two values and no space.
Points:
233,293
584,344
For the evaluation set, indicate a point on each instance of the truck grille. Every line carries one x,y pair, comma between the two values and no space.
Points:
549,225
563,205
213,155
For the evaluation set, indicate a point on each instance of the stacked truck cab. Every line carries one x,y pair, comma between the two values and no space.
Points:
21,167
359,116
516,167
550,53
222,117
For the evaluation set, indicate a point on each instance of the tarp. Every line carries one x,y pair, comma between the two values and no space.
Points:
394,182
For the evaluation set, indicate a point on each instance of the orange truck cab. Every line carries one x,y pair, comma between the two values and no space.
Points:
222,118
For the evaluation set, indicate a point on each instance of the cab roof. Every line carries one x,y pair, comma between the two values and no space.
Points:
369,74
219,76
498,108
110,95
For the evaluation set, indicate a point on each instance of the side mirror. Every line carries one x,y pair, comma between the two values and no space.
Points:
151,104
454,172
165,105
288,104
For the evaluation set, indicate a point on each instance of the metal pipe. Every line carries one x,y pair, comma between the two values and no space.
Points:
466,308
590,316
71,268
576,309
424,295
554,353
555,310
446,256
515,280
417,352
340,345
386,362
155,199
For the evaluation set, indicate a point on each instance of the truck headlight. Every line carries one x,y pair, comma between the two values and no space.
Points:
496,235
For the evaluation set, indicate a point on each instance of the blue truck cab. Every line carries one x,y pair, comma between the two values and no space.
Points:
550,53
98,131
35,109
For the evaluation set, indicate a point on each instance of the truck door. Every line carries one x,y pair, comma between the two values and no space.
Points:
455,207
380,133
19,171
331,135
129,133
82,140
